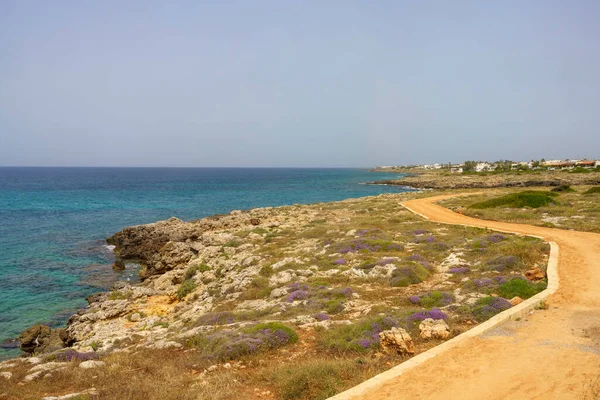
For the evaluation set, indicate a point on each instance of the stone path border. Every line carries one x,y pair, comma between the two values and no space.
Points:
518,311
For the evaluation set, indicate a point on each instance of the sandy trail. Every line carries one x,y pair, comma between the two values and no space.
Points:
552,354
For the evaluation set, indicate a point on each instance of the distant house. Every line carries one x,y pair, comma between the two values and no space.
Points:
562,164
586,164
483,166
457,168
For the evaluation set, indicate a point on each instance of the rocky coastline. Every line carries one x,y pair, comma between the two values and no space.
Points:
487,181
257,281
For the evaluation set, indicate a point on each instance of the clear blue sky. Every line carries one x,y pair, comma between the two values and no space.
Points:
297,83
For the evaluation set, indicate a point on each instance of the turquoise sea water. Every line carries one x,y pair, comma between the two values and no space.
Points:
53,222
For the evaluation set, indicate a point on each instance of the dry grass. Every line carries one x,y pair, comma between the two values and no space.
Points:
573,210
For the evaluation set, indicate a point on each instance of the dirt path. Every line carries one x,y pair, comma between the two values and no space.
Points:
552,354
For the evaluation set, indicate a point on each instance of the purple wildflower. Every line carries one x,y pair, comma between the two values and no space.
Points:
495,238
72,355
434,313
414,299
503,262
365,343
296,295
419,232
386,261
340,261
321,317
459,270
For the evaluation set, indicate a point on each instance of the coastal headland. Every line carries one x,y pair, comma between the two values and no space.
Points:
306,301
447,180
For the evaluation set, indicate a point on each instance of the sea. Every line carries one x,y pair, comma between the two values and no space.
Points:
54,222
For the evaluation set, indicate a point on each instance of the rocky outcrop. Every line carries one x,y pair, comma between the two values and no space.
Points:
396,340
535,274
458,181
42,339
161,246
434,329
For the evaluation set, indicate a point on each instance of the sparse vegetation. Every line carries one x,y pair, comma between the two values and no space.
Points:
592,190
533,199
187,287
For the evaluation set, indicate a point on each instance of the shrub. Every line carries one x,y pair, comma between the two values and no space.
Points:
533,199
72,355
592,190
194,269
339,261
266,271
187,287
229,344
216,318
408,274
368,245
321,317
281,332
502,263
485,308
297,295
563,188
520,287
258,289
459,270
434,313
358,336
436,299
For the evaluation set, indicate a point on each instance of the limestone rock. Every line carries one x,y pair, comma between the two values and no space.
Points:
516,300
84,394
41,338
396,340
89,364
434,329
6,375
535,274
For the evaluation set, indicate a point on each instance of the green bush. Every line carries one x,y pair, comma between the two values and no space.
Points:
533,199
563,188
520,287
486,307
266,271
187,287
274,327
436,299
592,190
359,336
194,269
408,274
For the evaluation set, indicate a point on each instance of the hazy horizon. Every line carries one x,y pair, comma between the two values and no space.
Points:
282,84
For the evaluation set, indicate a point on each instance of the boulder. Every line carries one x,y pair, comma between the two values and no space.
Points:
42,339
516,300
89,364
535,274
434,329
119,265
396,340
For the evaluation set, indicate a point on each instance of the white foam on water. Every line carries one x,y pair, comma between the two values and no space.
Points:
109,247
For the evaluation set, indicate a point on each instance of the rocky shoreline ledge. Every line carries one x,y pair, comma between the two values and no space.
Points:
485,181
247,292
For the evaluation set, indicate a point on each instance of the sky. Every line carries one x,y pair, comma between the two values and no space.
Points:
287,83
